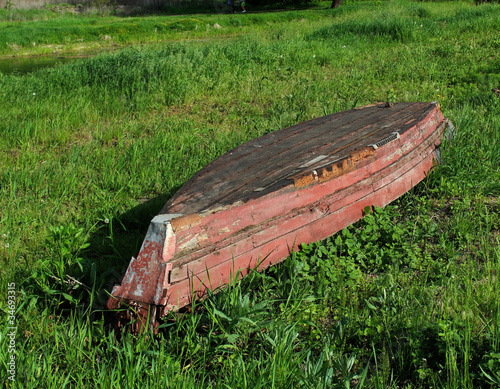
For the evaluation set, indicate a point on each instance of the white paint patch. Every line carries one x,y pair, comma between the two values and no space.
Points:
224,230
202,237
190,244
165,218
313,161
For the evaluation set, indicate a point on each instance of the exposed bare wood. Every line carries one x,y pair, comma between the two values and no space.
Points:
253,205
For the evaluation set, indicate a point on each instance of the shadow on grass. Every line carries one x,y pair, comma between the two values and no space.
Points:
83,287
113,245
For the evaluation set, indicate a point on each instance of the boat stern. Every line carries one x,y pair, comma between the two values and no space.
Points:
147,278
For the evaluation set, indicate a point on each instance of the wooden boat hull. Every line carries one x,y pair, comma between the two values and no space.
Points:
190,248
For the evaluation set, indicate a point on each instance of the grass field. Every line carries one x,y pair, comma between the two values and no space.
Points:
38,32
409,297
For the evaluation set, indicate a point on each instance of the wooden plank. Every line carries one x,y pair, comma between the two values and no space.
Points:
275,205
240,172
332,196
180,294
256,203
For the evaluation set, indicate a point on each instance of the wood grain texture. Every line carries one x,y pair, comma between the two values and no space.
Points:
249,208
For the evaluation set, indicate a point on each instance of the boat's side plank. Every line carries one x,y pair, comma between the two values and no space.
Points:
180,294
156,271
289,206
213,228
305,188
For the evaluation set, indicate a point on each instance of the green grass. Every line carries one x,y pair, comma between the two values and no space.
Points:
31,32
408,297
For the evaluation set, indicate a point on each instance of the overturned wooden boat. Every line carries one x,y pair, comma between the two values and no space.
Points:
254,205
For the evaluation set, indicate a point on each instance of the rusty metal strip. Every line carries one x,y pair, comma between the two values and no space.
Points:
340,167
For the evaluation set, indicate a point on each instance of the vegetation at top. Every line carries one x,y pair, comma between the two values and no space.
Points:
70,29
408,297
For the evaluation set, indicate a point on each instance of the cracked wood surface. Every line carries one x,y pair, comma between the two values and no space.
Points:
256,203
270,162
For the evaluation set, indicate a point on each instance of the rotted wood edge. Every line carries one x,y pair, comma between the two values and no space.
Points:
160,251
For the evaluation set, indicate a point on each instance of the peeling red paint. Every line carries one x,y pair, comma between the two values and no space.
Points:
305,200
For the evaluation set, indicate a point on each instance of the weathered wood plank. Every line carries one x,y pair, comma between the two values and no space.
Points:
239,173
259,201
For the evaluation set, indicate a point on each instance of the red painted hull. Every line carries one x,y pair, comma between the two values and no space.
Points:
187,253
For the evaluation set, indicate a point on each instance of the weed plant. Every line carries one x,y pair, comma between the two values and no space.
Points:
408,297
